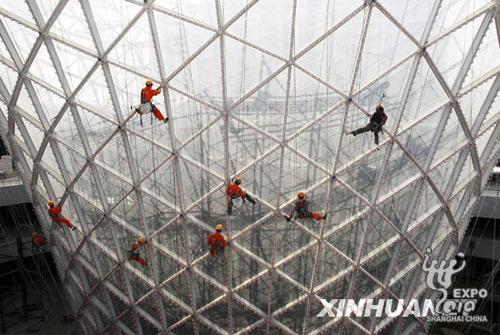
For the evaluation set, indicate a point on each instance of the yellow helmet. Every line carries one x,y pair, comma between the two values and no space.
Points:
149,83
141,240
237,180
301,194
219,227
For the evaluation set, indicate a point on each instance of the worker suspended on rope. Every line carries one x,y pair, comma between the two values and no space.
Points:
216,241
234,191
147,106
134,255
37,240
55,214
301,210
377,120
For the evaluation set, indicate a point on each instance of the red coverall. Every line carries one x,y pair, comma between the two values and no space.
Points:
217,243
147,93
302,209
55,214
234,191
37,240
134,255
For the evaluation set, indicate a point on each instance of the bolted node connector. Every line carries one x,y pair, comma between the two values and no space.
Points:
334,177
349,99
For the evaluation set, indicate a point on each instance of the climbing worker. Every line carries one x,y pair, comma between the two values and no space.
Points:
37,240
234,191
133,254
55,214
216,241
301,210
377,120
147,106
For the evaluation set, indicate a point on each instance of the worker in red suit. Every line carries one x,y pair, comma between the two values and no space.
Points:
234,191
133,254
37,240
216,241
301,210
55,214
147,94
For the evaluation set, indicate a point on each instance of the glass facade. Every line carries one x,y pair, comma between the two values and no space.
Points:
266,90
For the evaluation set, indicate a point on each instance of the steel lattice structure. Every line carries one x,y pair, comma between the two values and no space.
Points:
265,90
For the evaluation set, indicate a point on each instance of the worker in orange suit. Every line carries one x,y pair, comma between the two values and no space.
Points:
216,241
147,94
235,191
301,210
134,255
55,214
37,240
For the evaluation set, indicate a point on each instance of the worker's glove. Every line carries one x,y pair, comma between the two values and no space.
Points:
159,89
288,218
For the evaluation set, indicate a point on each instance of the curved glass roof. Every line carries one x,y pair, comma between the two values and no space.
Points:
266,90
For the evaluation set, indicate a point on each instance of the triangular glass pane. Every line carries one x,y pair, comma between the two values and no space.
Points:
46,8
178,39
314,19
379,235
266,107
344,206
339,48
417,140
202,77
9,77
72,16
73,161
283,293
348,239
378,264
327,132
96,128
4,52
412,15
25,38
362,174
486,56
265,24
51,103
301,266
110,26
467,171
453,11
156,213
193,178
293,316
35,134
77,63
243,267
426,95
114,156
256,292
172,239
469,102
114,187
426,203
395,207
140,57
246,67
453,136
203,11
26,104
385,45
87,188
332,265
43,68
95,95
483,139
146,156
206,292
189,116
161,183
449,53
399,169
442,173
20,9
307,100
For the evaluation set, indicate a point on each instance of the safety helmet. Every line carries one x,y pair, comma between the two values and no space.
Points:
34,234
219,227
301,194
237,180
379,108
149,83
51,204
141,240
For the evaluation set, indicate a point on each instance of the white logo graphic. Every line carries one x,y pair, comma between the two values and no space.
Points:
439,275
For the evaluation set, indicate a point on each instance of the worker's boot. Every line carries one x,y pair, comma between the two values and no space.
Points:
166,119
249,198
